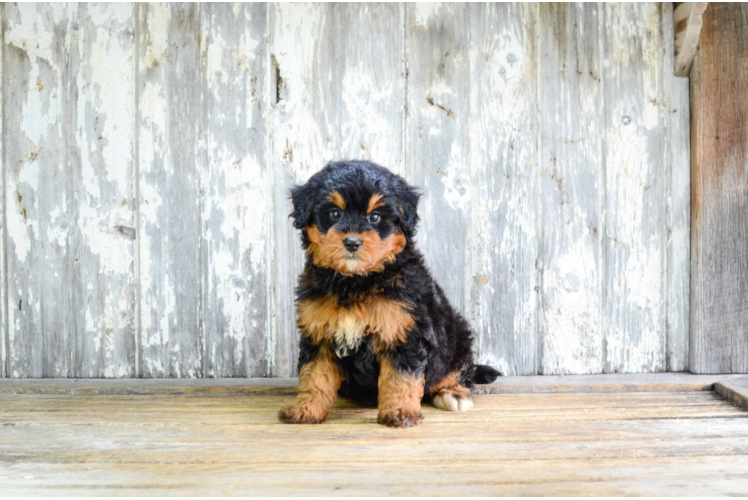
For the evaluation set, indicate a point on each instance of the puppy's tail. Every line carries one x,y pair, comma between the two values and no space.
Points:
484,374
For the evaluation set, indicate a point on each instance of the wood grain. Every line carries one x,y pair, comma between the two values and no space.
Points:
536,384
734,390
634,150
678,214
102,217
38,191
503,162
233,178
437,134
719,228
572,196
3,278
588,444
169,171
146,176
340,92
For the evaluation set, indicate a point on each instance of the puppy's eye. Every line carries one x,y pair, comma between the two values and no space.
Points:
374,218
335,214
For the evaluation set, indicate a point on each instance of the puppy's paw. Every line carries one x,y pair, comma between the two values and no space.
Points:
399,418
455,398
300,414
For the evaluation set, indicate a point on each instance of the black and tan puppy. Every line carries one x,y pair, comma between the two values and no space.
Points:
375,326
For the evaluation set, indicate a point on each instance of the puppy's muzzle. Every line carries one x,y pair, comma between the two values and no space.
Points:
351,243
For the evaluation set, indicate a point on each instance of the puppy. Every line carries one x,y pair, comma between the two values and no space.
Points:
375,326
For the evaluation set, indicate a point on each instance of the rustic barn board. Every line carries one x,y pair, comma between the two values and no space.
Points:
571,188
234,182
437,135
719,229
169,212
218,408
103,225
338,94
38,180
570,444
635,147
147,237
734,390
3,287
3,278
678,211
534,384
503,162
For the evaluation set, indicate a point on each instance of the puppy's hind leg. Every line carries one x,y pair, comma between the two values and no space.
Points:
449,395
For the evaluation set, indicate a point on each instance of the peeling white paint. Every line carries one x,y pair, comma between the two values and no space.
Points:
424,11
215,61
18,232
480,170
101,37
456,186
635,235
4,372
235,225
572,306
368,122
644,281
158,34
296,27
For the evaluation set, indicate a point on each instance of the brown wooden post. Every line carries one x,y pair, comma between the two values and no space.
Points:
719,180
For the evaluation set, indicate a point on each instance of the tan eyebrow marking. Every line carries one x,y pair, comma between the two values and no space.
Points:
376,201
337,200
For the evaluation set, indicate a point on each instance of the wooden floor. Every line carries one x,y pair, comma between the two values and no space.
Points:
227,441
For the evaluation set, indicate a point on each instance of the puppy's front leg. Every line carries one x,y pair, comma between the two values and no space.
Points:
400,394
319,381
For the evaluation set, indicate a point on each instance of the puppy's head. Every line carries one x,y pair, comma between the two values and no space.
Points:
355,216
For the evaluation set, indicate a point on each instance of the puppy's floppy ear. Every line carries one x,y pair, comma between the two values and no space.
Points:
302,198
407,199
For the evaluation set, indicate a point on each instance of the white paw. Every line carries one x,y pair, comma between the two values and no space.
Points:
452,401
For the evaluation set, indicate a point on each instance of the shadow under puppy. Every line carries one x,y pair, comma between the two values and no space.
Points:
375,326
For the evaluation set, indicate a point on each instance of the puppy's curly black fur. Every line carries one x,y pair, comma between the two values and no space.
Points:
375,326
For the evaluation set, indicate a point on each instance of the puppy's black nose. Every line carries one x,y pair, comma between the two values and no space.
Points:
351,243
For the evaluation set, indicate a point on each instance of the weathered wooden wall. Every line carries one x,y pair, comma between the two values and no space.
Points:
719,132
148,151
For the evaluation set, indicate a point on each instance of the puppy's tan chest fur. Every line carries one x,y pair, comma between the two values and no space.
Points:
324,320
347,332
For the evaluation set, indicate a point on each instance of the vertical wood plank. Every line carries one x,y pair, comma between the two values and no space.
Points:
503,209
339,88
295,34
41,323
169,225
571,188
678,206
719,163
235,180
3,238
635,157
679,230
103,201
437,37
